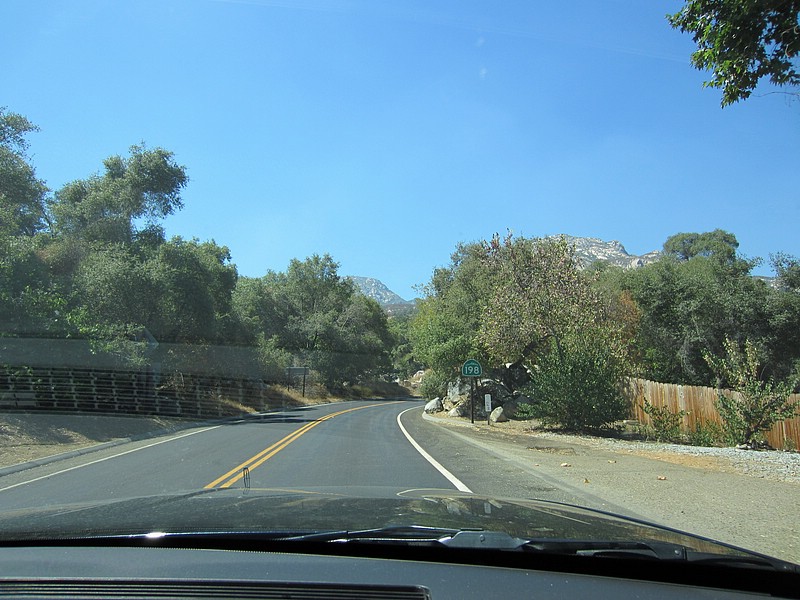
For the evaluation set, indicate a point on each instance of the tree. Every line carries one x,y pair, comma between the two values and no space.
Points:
787,268
444,330
106,208
690,306
545,309
195,282
22,209
113,298
32,300
180,291
540,295
700,292
718,244
404,363
310,316
742,42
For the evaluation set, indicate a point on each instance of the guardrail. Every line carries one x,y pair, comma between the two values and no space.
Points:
128,392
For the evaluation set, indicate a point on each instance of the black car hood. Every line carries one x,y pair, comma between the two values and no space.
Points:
295,511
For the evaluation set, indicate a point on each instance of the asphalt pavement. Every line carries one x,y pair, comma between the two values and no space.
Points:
383,449
357,448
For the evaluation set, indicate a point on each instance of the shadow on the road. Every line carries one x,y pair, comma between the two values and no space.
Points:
290,414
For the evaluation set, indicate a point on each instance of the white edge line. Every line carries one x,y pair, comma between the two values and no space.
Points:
448,475
99,460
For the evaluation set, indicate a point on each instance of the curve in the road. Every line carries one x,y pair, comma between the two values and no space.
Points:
243,470
448,475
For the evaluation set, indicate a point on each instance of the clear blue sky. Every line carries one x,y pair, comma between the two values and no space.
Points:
386,132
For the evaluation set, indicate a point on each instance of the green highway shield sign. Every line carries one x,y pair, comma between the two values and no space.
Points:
471,368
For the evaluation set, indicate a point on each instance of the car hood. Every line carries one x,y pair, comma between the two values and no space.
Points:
296,511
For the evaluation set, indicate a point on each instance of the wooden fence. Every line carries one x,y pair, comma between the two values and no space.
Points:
700,406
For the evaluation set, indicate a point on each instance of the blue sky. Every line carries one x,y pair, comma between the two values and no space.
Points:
386,132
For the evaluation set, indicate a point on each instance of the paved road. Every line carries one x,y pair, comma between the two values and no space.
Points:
333,446
366,449
357,448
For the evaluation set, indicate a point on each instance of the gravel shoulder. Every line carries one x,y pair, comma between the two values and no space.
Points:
742,497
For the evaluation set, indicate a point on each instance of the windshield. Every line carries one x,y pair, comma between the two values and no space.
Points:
306,265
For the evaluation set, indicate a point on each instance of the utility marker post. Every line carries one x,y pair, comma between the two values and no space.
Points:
472,369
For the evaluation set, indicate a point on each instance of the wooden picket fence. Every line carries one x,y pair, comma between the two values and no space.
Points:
700,406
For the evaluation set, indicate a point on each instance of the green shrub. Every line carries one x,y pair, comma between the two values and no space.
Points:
754,405
525,412
706,434
433,384
577,386
666,424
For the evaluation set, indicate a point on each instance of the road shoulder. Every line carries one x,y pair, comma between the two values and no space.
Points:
700,497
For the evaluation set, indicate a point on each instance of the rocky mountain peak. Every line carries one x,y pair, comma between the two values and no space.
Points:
377,290
590,250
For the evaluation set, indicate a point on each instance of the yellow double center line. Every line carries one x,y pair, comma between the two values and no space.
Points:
237,473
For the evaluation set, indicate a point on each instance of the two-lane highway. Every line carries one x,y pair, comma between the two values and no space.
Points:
351,448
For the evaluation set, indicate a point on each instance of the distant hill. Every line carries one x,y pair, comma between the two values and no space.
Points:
373,288
590,250
377,290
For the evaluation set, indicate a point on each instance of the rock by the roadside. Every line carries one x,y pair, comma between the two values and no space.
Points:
433,406
498,416
495,389
457,391
459,410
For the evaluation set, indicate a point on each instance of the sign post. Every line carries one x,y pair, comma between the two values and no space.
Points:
291,372
472,369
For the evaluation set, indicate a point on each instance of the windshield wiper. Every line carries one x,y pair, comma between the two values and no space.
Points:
498,540
494,540
443,537
609,548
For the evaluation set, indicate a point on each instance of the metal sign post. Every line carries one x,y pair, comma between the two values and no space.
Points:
472,369
472,400
291,372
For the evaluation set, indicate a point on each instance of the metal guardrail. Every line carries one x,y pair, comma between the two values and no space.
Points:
127,392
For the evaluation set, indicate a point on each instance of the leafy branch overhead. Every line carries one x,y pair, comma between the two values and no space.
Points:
742,42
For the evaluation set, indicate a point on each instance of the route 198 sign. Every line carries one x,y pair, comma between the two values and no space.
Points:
471,368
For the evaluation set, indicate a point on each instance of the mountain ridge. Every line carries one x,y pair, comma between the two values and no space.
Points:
587,249
377,290
590,250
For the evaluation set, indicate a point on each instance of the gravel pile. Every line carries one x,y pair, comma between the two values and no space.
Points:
766,464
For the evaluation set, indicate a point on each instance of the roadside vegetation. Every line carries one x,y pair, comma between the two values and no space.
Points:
696,316
90,261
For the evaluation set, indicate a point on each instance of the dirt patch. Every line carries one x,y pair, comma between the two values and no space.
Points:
742,497
708,463
31,436
774,465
